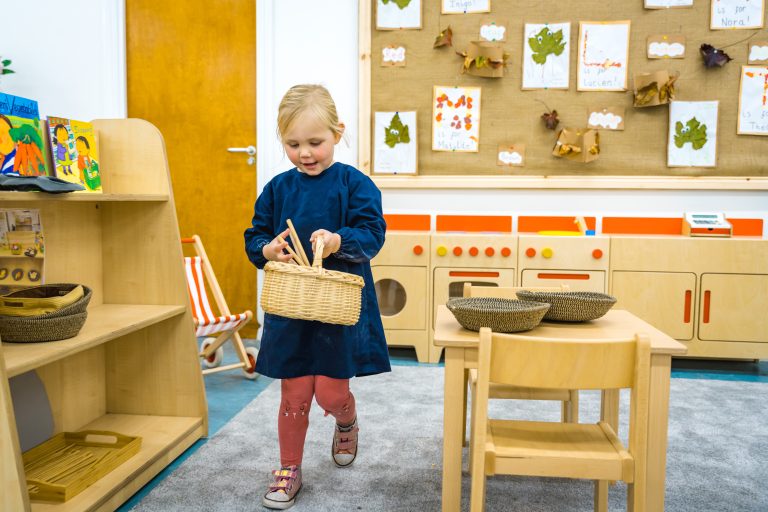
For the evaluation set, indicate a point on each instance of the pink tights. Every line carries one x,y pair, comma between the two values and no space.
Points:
332,395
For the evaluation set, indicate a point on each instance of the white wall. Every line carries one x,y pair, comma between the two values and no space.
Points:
69,56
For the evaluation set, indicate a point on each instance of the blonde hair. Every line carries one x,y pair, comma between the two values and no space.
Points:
307,97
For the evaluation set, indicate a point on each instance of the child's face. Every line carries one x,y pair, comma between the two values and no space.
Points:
309,144
81,148
62,135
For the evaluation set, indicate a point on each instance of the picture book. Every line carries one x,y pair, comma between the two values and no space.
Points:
22,146
75,152
17,106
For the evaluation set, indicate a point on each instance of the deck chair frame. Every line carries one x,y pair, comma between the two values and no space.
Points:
247,361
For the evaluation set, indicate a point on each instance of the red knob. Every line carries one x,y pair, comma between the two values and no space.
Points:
473,251
530,252
457,251
506,251
597,254
417,250
489,251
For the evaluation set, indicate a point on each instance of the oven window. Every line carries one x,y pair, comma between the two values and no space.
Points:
457,289
391,296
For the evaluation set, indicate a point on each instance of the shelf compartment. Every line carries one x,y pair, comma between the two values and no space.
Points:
86,198
105,323
163,439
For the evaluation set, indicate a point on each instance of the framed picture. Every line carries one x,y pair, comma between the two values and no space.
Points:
736,14
692,134
398,14
603,55
456,118
465,6
546,55
395,149
753,101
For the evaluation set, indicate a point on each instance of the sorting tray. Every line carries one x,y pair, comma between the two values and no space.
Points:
69,462
571,306
501,315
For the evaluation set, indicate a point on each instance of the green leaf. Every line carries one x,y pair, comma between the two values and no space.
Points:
8,71
396,132
7,62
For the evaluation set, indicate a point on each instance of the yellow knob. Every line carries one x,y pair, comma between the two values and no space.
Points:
546,252
442,250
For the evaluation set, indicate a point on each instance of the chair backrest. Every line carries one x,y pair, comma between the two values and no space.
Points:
508,292
200,271
201,306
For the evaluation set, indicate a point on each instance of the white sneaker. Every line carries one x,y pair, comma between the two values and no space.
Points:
282,492
344,447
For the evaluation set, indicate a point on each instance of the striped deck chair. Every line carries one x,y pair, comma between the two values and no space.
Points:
225,327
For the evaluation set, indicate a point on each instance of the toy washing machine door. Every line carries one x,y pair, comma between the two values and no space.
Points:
402,296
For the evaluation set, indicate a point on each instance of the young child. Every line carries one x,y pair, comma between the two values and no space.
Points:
335,202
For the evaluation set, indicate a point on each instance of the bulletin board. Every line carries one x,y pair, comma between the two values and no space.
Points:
510,114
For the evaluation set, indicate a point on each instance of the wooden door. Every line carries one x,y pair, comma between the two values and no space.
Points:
192,73
663,299
733,307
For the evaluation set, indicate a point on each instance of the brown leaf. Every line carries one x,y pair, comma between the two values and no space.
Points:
445,38
566,149
550,119
646,94
667,91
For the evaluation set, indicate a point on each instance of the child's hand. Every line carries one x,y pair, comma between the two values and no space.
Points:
331,241
273,251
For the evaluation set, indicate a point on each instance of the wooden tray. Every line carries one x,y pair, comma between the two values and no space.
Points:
69,462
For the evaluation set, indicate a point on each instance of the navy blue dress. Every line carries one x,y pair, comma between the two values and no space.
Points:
342,200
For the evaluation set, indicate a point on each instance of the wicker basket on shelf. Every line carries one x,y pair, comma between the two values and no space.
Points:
58,324
311,292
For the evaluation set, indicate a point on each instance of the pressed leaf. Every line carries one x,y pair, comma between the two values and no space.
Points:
445,38
646,94
550,119
713,57
396,132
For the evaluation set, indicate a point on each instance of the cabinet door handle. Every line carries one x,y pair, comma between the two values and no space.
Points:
707,294
687,311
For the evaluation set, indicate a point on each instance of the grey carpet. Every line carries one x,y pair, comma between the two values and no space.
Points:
717,456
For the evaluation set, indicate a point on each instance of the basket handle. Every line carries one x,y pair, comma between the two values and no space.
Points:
318,256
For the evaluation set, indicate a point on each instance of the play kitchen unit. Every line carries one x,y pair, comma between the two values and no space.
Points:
710,293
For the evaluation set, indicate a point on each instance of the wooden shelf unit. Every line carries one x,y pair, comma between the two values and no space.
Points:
133,368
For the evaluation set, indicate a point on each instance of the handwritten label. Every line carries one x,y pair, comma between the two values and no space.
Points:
466,6
603,51
736,14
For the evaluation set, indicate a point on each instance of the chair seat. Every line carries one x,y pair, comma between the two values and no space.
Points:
219,324
520,393
567,450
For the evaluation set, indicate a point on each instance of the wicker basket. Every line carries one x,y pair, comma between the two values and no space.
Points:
60,324
311,293
501,315
572,306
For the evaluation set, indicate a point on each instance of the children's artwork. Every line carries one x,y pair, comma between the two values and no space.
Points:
22,147
493,32
393,56
546,55
736,14
465,6
654,88
484,58
753,101
511,155
606,118
398,14
692,134
758,53
22,249
394,140
603,55
667,4
666,46
75,152
577,144
456,118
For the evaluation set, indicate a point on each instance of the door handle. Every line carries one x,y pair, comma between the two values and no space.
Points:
250,151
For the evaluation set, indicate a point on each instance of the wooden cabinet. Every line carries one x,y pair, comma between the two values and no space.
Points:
710,293
133,368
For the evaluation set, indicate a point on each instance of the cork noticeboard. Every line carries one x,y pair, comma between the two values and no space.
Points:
511,115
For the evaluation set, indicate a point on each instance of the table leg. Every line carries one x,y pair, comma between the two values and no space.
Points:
658,420
464,409
452,428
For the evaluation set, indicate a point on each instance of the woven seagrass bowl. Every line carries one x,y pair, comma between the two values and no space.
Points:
57,325
571,306
501,315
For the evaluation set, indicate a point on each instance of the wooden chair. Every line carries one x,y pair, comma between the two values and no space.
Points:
226,325
565,450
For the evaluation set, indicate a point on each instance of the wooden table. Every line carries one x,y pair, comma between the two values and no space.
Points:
461,355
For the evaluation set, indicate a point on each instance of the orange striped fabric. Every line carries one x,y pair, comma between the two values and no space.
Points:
206,321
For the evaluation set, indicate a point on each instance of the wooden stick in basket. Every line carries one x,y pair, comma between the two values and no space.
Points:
295,256
319,246
297,244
